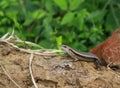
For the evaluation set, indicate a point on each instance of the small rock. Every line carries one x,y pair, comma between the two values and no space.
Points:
5,52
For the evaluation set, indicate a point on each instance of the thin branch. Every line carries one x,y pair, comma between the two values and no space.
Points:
11,36
18,40
13,39
30,69
9,76
29,51
5,36
49,52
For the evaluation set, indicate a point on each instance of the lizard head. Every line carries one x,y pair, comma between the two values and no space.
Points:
65,48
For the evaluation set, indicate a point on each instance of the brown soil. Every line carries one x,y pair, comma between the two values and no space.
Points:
52,71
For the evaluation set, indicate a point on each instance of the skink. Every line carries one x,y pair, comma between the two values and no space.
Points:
89,57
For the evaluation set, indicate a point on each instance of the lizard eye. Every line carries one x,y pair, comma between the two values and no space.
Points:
65,46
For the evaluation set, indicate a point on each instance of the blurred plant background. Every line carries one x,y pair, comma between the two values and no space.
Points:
81,24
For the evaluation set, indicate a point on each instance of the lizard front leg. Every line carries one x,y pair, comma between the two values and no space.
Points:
75,60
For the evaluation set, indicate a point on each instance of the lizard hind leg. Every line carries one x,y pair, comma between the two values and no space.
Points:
97,63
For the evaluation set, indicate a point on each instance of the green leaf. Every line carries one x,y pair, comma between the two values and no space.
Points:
47,32
67,18
62,4
29,19
4,4
1,13
113,20
59,41
97,15
49,5
45,43
47,20
38,14
81,18
74,4
11,13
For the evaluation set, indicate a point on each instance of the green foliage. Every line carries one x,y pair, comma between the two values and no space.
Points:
68,18
62,4
82,24
74,4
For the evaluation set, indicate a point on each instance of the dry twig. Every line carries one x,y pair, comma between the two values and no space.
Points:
9,76
30,69
12,39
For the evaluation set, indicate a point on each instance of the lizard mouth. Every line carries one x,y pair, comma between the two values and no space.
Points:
65,48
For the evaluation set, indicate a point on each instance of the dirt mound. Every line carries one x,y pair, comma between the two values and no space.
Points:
51,71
